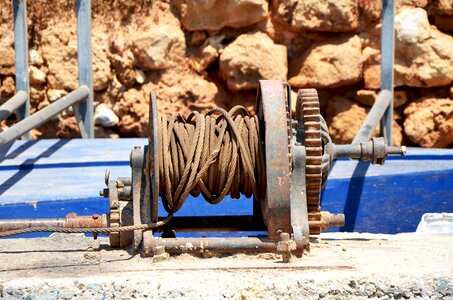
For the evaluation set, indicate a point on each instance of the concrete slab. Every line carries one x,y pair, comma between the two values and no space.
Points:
339,265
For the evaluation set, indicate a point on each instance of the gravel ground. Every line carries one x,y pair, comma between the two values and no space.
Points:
339,266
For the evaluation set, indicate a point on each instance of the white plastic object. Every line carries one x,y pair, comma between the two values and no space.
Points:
436,223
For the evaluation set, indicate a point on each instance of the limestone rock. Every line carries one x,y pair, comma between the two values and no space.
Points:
368,97
59,47
54,94
101,63
36,76
8,87
104,116
252,57
115,88
68,128
429,122
140,76
209,54
371,9
444,7
318,15
6,50
123,63
423,54
344,118
38,96
156,48
328,64
216,14
35,58
176,92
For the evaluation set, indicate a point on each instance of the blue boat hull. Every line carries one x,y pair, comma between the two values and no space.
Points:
50,178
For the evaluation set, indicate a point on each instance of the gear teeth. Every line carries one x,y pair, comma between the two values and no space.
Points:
311,117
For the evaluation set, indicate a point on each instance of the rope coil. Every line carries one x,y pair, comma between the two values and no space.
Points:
212,155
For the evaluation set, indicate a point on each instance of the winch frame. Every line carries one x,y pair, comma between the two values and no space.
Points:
281,209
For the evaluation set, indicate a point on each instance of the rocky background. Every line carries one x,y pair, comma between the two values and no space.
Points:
196,54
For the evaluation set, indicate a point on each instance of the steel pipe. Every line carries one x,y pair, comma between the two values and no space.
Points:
12,105
387,61
21,57
375,150
13,224
83,111
43,115
213,245
377,111
71,220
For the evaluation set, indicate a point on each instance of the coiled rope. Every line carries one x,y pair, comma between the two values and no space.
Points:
212,156
216,154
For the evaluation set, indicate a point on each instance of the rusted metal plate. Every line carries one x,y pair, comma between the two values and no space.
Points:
299,213
272,112
153,157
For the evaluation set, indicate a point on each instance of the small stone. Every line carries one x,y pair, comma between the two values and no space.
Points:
140,76
38,94
116,87
54,94
105,116
35,58
161,257
8,87
36,75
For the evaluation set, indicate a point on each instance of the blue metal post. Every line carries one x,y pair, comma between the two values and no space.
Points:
84,110
21,57
387,61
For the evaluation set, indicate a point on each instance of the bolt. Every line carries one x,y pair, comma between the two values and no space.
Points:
285,246
284,236
104,193
119,184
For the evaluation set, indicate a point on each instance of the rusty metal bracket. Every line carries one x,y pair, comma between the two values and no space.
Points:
272,112
299,213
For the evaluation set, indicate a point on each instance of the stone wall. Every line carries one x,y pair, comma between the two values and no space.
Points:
196,54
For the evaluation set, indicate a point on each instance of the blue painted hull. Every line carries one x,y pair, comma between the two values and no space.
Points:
50,178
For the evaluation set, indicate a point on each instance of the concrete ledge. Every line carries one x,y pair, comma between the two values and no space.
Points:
338,266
